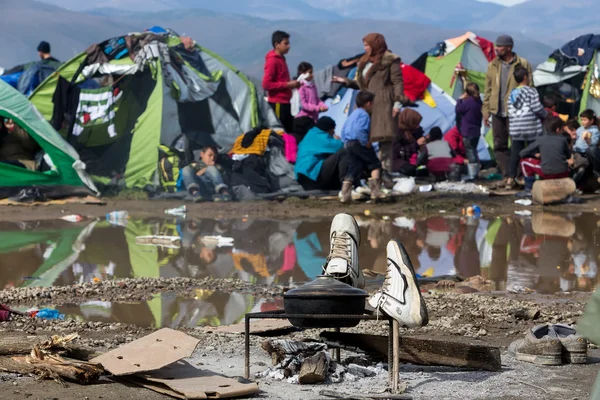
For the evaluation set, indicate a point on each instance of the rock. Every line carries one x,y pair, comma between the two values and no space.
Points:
526,314
360,371
314,369
482,332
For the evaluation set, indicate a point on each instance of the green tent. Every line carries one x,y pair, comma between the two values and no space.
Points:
144,90
66,177
468,53
570,84
465,52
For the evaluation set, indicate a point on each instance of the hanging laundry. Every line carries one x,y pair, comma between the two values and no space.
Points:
415,82
487,47
97,106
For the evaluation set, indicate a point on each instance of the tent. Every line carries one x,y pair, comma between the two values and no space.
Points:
137,92
467,55
66,177
435,105
571,73
26,77
453,61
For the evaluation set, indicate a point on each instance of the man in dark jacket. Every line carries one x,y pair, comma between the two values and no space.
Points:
45,55
277,81
500,82
548,157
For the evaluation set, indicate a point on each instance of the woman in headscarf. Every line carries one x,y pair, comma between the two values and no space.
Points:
406,144
379,72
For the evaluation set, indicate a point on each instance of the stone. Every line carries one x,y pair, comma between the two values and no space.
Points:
360,371
526,314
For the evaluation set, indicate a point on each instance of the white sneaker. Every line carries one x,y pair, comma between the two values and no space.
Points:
342,262
400,296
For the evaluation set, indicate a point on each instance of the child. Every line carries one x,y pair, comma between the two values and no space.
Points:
204,179
310,103
587,134
525,116
437,154
548,156
550,104
469,117
361,156
571,128
277,81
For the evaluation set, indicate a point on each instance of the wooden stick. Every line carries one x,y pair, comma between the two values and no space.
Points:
396,354
340,395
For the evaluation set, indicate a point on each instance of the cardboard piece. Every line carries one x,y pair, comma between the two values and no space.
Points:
184,381
256,326
149,353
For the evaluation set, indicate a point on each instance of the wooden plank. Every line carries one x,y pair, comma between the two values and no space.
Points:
256,327
422,351
362,396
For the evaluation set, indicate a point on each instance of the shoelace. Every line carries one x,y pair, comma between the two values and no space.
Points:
340,248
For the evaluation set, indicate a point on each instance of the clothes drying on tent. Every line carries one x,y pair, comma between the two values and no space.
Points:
579,51
415,82
169,88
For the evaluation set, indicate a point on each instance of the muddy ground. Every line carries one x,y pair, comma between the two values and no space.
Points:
494,319
484,317
415,205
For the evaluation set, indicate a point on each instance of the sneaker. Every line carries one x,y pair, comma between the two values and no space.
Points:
540,346
574,347
400,296
342,262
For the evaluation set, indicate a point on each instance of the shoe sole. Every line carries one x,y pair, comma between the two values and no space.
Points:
415,290
539,359
574,358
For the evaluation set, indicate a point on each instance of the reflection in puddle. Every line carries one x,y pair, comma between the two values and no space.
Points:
548,252
209,308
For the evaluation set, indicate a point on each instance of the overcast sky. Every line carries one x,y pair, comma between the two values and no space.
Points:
505,2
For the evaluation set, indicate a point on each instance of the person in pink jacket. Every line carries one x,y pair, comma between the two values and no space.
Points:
310,103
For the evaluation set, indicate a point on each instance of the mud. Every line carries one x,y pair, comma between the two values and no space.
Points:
416,205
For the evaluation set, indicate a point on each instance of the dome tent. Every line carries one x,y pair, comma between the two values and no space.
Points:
572,73
144,90
66,177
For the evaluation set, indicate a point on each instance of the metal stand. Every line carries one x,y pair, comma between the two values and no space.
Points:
393,337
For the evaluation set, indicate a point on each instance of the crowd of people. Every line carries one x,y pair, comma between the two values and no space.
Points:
382,137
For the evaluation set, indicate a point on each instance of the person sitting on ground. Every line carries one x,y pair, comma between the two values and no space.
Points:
550,104
571,128
548,156
205,178
310,103
322,162
409,138
469,118
587,134
525,116
362,158
457,144
16,146
437,155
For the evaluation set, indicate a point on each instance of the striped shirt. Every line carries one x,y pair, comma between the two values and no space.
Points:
525,113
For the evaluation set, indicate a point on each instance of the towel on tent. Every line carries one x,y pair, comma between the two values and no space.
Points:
97,106
258,145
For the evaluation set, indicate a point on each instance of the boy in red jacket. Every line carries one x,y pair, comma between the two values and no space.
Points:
277,81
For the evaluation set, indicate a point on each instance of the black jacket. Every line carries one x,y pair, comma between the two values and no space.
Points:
554,151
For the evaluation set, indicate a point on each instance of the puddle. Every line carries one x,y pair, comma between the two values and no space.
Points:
211,308
547,252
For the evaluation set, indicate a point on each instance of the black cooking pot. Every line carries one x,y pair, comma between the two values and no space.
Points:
325,295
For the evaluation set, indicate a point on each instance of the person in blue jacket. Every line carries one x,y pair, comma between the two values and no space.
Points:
321,161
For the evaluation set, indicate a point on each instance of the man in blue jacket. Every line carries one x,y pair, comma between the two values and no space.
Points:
321,161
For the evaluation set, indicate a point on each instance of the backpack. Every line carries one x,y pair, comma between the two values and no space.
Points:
169,168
